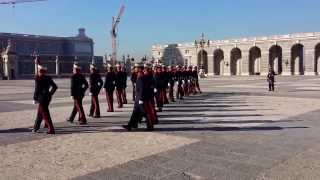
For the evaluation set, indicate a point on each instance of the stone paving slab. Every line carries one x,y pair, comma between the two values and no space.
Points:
64,157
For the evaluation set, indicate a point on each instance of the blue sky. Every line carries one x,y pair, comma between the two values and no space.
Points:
147,22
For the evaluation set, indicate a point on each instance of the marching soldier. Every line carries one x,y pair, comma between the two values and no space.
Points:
180,81
139,109
190,80
159,81
185,80
134,80
95,84
150,95
271,79
119,85
124,78
196,78
43,96
79,85
165,75
109,86
171,77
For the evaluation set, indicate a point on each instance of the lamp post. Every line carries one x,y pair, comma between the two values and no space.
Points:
286,62
201,44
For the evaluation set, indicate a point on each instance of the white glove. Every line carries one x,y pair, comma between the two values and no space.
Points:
177,83
155,90
183,81
169,84
188,81
90,94
140,102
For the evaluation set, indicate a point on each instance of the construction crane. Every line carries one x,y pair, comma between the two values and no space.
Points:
14,2
114,34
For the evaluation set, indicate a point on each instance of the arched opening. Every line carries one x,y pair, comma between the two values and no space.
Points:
297,61
235,61
275,59
317,59
203,60
254,61
218,63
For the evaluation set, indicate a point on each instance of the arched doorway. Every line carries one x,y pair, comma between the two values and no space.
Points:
297,61
254,61
275,59
218,63
203,60
317,59
235,61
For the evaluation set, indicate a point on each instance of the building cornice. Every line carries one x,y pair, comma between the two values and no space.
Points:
272,38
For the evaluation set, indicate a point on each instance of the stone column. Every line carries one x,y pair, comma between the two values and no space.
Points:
10,63
16,66
244,63
227,63
210,65
264,63
309,62
57,66
286,62
6,67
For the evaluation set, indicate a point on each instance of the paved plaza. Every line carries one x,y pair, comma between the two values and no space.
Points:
235,130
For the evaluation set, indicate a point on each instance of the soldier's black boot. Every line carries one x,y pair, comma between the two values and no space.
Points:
127,127
69,121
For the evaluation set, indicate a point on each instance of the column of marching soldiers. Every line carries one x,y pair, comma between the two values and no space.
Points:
153,87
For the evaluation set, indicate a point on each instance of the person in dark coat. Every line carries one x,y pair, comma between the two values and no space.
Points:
44,90
79,86
271,79
109,86
133,79
139,109
95,85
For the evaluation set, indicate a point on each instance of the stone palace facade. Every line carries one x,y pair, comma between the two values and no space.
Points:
292,54
57,53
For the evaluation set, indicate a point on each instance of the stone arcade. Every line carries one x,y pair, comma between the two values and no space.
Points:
292,54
